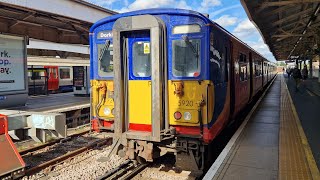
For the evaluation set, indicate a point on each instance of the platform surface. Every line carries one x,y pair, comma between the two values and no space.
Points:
54,103
270,144
307,103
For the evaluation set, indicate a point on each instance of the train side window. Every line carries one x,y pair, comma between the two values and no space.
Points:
242,58
258,69
64,73
243,67
243,73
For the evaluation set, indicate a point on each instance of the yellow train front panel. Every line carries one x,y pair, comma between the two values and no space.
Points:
102,99
188,102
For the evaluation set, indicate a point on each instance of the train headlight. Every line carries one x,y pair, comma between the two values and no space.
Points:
106,111
187,116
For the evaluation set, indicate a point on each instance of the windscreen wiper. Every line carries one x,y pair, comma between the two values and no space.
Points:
105,47
195,51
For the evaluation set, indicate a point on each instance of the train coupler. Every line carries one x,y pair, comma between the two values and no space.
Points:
98,125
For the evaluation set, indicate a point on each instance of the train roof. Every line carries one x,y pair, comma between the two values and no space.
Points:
170,11
154,11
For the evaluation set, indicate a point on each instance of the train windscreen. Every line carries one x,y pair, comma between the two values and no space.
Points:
185,58
105,63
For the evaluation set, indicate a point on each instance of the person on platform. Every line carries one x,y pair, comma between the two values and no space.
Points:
289,71
304,72
296,74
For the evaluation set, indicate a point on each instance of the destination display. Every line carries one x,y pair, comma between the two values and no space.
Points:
12,63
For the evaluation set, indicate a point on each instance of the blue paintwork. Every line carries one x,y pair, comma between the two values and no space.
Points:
66,88
171,17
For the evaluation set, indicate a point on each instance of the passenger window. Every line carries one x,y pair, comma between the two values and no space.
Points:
243,73
141,59
243,67
242,58
258,70
64,73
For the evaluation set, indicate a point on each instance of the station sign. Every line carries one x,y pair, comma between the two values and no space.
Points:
12,63
105,35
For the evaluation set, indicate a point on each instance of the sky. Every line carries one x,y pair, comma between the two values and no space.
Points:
228,13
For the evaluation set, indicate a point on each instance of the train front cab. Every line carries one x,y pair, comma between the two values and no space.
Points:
101,80
166,80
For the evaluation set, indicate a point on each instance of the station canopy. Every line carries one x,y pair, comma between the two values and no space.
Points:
289,27
51,23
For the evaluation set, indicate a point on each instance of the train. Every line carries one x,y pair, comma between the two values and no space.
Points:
44,79
169,81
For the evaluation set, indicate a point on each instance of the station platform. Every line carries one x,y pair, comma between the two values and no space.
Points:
270,143
55,103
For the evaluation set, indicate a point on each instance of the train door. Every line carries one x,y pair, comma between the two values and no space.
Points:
232,81
251,75
138,64
139,81
53,80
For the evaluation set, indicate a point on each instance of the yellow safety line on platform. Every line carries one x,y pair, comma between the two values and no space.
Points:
296,160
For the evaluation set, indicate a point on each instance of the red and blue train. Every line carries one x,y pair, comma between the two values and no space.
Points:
169,81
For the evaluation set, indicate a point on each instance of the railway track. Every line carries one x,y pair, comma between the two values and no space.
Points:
34,148
45,158
127,170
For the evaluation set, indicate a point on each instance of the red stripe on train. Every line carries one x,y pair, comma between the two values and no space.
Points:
140,127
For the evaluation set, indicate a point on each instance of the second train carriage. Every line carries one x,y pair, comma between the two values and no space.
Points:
178,79
50,78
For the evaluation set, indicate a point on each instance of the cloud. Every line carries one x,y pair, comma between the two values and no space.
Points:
245,30
183,5
226,21
261,48
248,33
144,4
205,5
217,12
210,3
126,2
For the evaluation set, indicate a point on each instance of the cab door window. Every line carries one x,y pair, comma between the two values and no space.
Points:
141,59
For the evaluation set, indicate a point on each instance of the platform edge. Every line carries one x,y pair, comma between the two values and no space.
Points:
309,156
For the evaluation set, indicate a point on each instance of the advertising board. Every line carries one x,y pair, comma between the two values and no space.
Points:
12,63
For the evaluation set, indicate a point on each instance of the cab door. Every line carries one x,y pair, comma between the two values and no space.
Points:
139,81
140,76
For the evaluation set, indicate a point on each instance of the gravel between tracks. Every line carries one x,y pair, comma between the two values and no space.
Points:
89,165
163,169
50,152
161,172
